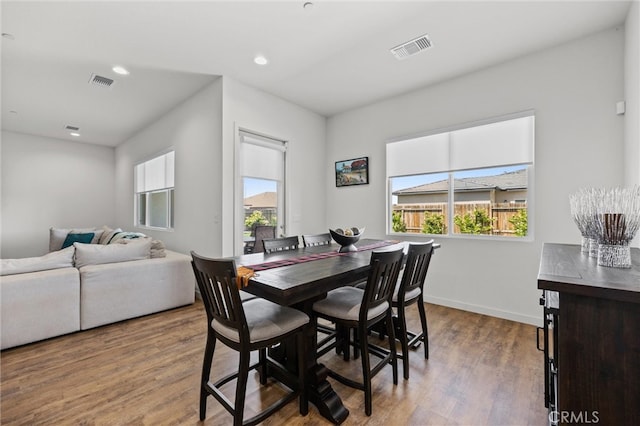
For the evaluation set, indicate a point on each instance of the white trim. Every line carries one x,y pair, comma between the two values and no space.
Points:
485,310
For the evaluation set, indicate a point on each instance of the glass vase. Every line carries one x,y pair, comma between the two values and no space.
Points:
584,246
593,247
614,256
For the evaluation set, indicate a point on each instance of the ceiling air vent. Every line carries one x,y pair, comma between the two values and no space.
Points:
72,128
412,47
98,80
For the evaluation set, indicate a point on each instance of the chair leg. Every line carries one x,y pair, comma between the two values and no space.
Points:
262,370
392,346
425,332
241,388
303,397
404,341
366,367
206,371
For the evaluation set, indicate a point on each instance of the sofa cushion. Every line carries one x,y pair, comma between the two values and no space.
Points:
157,246
54,260
97,254
77,238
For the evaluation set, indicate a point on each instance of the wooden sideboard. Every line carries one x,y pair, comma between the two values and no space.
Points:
597,332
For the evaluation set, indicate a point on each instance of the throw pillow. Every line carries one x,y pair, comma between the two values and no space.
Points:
58,235
157,246
77,238
54,260
97,254
108,234
125,235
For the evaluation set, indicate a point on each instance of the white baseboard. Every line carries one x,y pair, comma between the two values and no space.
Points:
512,316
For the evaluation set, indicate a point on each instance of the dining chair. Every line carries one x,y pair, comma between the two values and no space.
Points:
262,232
311,240
352,307
255,324
280,244
409,291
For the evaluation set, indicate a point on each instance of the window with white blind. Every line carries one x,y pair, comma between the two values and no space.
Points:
154,189
262,173
473,179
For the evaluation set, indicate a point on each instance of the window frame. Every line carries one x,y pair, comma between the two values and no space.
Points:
450,226
147,194
265,141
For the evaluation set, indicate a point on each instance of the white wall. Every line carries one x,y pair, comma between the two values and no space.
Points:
253,109
202,132
50,182
194,130
632,99
573,89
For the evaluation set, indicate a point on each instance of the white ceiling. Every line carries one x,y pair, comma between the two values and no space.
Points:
329,59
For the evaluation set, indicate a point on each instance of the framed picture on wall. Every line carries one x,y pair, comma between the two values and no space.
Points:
352,172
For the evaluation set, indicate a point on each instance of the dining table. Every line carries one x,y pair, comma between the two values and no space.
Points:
300,277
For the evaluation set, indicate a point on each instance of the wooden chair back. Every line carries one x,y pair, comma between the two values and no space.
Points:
216,280
280,244
416,267
262,232
316,239
385,268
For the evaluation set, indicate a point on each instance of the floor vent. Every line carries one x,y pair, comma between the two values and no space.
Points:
98,80
412,47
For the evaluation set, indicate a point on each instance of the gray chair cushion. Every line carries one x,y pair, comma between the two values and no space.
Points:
408,295
344,303
265,320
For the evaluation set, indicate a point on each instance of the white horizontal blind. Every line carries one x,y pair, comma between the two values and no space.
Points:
263,159
495,144
157,173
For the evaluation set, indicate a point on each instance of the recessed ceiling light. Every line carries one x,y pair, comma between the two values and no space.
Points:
260,60
8,36
307,6
120,70
76,134
13,111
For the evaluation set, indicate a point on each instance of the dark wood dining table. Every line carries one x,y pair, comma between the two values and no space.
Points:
313,272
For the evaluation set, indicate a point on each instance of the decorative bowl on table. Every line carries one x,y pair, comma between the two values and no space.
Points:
346,238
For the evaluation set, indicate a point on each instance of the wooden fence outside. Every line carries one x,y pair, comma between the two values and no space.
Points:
413,214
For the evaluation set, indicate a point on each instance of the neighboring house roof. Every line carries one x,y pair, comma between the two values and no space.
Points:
505,182
265,199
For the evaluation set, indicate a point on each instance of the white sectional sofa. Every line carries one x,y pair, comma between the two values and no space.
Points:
85,286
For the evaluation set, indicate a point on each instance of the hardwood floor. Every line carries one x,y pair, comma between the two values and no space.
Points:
145,371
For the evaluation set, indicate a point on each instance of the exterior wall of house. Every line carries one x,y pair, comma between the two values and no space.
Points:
573,89
51,183
467,197
510,196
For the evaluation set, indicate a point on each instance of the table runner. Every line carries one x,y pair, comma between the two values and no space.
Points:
314,256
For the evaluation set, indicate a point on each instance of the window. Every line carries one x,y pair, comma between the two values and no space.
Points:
471,180
154,192
262,172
